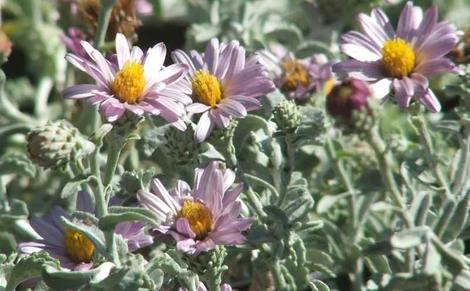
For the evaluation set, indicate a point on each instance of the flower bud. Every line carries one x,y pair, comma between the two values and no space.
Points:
346,98
56,144
287,116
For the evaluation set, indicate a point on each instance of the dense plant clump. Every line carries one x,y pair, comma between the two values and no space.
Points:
234,145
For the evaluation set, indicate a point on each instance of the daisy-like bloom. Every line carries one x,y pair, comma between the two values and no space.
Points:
400,60
73,249
72,40
135,82
201,218
222,83
298,78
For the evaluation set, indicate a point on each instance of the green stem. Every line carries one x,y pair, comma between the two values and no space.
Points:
257,206
103,22
385,165
113,158
279,280
357,275
40,100
290,154
261,182
462,170
7,108
341,172
34,13
101,205
3,195
421,127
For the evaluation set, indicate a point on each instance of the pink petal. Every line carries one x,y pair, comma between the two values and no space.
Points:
204,127
122,50
80,91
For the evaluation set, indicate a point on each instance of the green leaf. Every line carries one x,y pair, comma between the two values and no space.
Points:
119,214
17,164
60,279
318,285
18,210
410,238
29,267
72,187
458,220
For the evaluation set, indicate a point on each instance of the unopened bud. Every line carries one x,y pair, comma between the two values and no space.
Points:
56,144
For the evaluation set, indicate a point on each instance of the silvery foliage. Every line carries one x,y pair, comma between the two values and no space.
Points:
325,218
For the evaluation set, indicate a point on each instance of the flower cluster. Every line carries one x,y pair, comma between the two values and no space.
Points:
220,84
256,156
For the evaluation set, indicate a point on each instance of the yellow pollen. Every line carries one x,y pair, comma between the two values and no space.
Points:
79,248
295,74
206,88
329,86
198,216
129,83
399,58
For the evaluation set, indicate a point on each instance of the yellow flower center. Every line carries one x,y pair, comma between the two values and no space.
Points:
295,74
399,58
206,88
129,82
198,216
79,248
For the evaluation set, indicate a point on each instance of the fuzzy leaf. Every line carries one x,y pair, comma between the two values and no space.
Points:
29,267
17,164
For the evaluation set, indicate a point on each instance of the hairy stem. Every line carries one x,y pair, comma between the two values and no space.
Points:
421,127
462,170
385,165
101,204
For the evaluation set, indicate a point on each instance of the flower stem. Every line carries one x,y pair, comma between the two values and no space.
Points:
103,22
113,158
40,100
341,172
421,127
290,154
385,165
3,195
101,205
261,182
357,275
462,169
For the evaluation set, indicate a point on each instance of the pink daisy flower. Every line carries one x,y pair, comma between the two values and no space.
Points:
222,84
298,78
201,218
400,61
136,82
73,249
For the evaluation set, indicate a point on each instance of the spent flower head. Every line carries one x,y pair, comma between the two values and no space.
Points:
222,83
202,217
346,98
400,61
135,81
